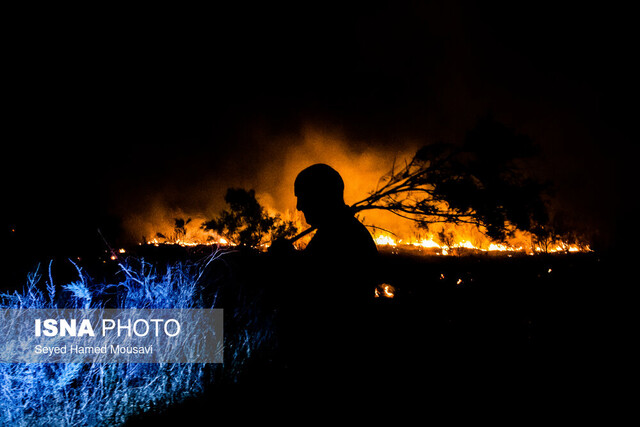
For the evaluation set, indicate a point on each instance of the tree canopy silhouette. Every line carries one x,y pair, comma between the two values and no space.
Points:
246,222
478,182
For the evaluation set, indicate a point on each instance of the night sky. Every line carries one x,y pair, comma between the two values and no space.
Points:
108,110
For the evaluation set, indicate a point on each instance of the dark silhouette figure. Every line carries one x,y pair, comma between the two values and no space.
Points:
320,193
329,285
342,249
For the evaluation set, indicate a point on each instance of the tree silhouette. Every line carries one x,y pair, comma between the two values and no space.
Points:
477,182
246,222
180,229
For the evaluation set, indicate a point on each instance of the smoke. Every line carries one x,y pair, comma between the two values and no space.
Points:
268,162
270,168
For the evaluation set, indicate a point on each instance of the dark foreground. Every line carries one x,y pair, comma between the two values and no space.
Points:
521,333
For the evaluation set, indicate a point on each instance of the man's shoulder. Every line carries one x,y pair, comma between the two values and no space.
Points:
360,233
350,235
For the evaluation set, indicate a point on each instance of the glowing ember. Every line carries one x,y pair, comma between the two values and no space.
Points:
385,290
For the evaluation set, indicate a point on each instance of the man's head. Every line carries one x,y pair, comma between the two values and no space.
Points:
320,192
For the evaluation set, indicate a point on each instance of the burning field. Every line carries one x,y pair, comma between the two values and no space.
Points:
450,240
415,207
447,309
478,279
477,195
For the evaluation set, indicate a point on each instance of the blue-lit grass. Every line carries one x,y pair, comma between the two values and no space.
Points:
109,394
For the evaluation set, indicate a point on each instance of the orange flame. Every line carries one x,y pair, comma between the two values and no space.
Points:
385,290
361,169
460,240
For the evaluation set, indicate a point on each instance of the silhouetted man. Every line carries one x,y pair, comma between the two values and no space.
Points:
320,192
342,250
324,303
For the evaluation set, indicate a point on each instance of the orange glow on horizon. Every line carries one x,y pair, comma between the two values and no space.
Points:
361,167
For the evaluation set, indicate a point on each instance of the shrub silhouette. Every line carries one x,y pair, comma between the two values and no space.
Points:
246,222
